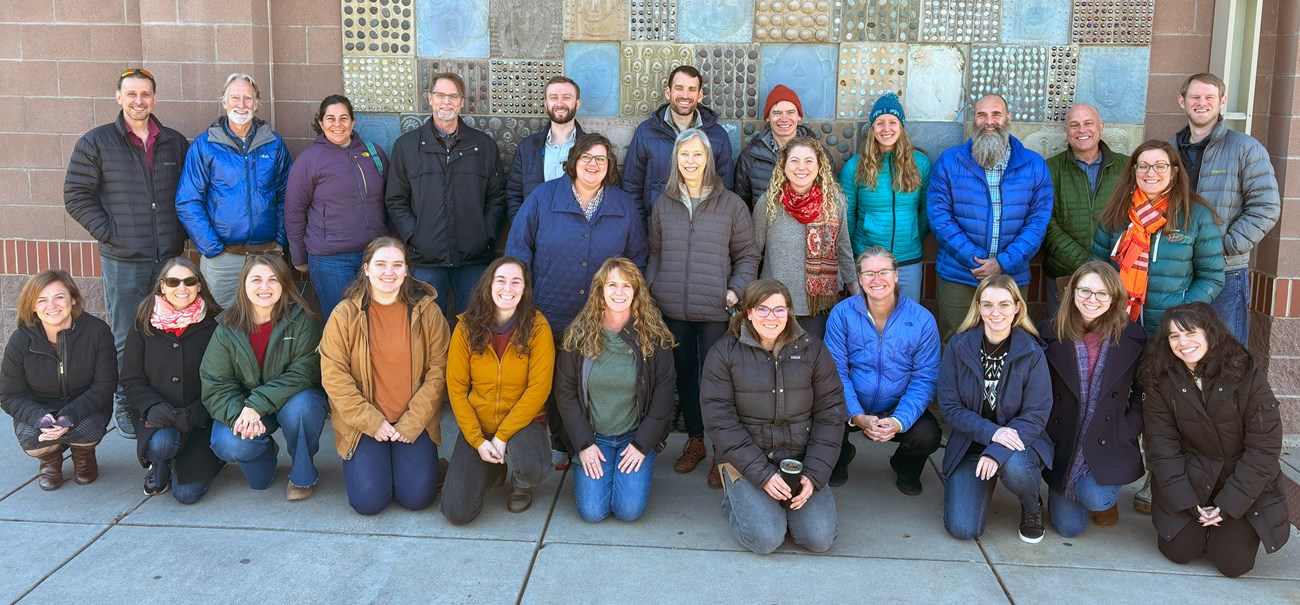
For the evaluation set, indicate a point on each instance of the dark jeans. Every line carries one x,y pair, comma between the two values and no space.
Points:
126,283
1070,515
381,472
528,464
331,275
162,447
914,446
1231,547
448,280
1233,304
966,497
694,339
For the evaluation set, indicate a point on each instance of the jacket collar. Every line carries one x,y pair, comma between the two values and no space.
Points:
218,133
562,200
1062,355
120,127
707,118
967,345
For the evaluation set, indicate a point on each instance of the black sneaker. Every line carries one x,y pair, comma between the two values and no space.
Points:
905,483
122,418
840,474
157,480
1031,524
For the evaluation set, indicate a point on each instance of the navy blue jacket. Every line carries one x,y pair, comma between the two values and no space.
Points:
526,170
645,167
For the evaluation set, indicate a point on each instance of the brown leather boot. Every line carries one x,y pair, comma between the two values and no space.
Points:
51,475
1108,517
692,454
715,475
85,469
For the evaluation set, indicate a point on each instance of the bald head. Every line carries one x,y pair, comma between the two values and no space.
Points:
1083,127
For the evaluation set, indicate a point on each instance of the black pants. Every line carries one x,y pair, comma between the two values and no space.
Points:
559,438
914,446
694,339
1231,547
528,464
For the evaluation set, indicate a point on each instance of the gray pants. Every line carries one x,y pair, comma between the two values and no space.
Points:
759,522
528,464
222,274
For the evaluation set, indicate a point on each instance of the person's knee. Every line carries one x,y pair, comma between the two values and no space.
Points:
304,410
594,513
629,513
820,542
1067,529
1234,567
925,434
762,541
414,499
369,504
962,529
41,451
457,512
189,495
1176,555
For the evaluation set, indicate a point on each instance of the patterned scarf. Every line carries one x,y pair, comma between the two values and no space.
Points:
1090,388
821,264
165,317
1133,251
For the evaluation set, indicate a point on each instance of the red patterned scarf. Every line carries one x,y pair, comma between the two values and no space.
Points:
821,264
1133,251
167,318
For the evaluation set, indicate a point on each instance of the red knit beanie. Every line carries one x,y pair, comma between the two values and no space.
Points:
778,94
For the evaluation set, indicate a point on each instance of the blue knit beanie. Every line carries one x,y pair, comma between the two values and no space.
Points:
888,104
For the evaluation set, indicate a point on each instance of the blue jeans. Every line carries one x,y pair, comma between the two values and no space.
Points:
1069,517
966,497
624,494
909,280
461,279
331,275
126,283
160,450
302,417
759,523
1233,304
381,472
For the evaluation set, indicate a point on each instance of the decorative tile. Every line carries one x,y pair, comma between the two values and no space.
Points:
411,121
808,69
715,21
730,79
380,84
793,20
653,20
733,129
594,66
473,71
1047,139
868,71
381,129
507,131
878,20
452,28
840,139
519,85
1035,22
595,19
645,69
934,86
1112,22
1124,138
378,28
1062,74
618,130
935,137
527,29
1114,80
1018,73
964,22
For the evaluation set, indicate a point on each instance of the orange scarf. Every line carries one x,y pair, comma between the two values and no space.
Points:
1133,252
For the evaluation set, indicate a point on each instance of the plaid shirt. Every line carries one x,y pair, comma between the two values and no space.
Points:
994,176
591,207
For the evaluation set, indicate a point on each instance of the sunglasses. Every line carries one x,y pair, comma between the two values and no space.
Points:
135,72
175,282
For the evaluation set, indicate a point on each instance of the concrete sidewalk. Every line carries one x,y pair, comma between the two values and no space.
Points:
108,543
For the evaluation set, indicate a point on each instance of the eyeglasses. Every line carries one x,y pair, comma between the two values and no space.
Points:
777,312
442,97
885,273
135,72
1159,167
1005,307
175,282
1084,293
587,158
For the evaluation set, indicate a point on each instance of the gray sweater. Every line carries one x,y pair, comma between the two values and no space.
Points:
784,244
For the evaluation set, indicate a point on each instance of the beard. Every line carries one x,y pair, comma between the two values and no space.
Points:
988,148
239,118
446,115
565,119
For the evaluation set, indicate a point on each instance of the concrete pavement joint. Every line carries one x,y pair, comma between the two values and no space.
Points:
83,548
541,538
319,532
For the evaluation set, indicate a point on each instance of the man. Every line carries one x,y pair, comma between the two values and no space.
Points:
120,187
540,157
649,155
886,347
1083,178
989,204
1232,172
783,112
446,197
231,194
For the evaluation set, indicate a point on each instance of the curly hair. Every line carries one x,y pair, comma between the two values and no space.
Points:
585,335
481,312
825,179
1225,358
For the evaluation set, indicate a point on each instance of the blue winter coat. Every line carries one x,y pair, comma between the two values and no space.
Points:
889,373
526,170
563,250
962,219
1024,397
231,195
880,216
645,166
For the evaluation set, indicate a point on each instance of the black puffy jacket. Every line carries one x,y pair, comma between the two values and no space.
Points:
77,381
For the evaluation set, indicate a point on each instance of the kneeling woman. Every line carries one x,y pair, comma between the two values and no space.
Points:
771,393
996,392
58,377
499,375
383,359
1213,437
614,388
160,377
262,372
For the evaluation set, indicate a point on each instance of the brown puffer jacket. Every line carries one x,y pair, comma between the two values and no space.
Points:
761,408
1216,446
696,257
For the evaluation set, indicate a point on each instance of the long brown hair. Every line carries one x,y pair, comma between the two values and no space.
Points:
1070,324
756,292
831,195
408,293
585,334
481,313
905,175
144,311
1225,360
32,289
1181,197
240,315
1001,281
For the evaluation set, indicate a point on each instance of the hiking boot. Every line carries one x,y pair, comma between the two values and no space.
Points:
519,500
1031,524
1142,499
1106,518
905,483
295,493
715,475
692,454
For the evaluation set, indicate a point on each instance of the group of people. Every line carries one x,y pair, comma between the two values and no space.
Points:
772,303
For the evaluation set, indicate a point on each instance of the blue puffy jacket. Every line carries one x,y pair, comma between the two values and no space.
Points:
962,219
563,249
230,193
645,166
889,373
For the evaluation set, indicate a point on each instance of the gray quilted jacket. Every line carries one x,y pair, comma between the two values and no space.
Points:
696,257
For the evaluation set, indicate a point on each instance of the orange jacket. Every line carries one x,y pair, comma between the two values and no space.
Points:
499,396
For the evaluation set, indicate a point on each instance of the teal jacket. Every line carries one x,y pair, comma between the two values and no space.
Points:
232,379
1076,209
880,216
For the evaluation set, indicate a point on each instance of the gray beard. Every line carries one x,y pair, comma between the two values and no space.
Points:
989,147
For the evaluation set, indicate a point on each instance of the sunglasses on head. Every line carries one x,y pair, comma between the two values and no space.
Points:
135,72
175,282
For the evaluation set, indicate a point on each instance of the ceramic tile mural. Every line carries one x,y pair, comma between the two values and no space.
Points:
595,19
378,28
527,29
866,72
518,85
808,69
792,21
1018,73
715,21
730,74
1114,80
594,66
878,20
653,20
1112,22
645,68
473,71
1035,22
452,28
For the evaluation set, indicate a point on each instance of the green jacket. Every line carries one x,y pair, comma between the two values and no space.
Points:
232,379
1076,209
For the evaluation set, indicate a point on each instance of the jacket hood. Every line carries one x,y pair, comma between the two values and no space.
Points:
262,134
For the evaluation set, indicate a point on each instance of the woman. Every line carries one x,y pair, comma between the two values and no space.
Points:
1213,437
769,394
614,387
1092,355
160,378
1160,235
702,254
884,191
801,229
995,391
59,374
334,202
262,372
383,358
498,376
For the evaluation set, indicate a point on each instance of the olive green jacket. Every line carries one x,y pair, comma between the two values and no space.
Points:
232,379
1076,209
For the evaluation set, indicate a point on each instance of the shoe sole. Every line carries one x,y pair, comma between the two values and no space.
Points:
1028,540
1142,507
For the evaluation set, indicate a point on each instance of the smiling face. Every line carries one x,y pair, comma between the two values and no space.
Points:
998,310
561,102
618,293
878,286
991,115
240,101
386,271
801,168
886,129
692,159
591,168
684,93
54,307
1150,181
769,328
1202,102
1188,344
507,288
136,98
1083,130
263,288
337,124
182,295
784,119
1091,308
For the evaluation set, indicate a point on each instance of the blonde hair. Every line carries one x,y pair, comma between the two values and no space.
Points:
1070,324
1001,281
831,194
586,334
905,175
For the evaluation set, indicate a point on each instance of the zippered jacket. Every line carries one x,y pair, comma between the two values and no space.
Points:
880,216
76,381
496,396
695,257
645,165
232,379
334,202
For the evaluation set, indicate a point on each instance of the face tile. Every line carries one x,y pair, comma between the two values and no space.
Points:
381,129
527,29
1035,22
595,19
934,84
473,71
380,84
790,21
378,29
1114,80
730,75
715,21
867,72
808,69
452,28
519,85
594,66
645,69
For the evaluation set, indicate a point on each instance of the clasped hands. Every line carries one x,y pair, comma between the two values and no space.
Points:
386,432
493,451
52,428
778,489
877,428
1209,516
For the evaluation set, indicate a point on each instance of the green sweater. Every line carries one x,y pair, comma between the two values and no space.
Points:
232,379
1076,209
